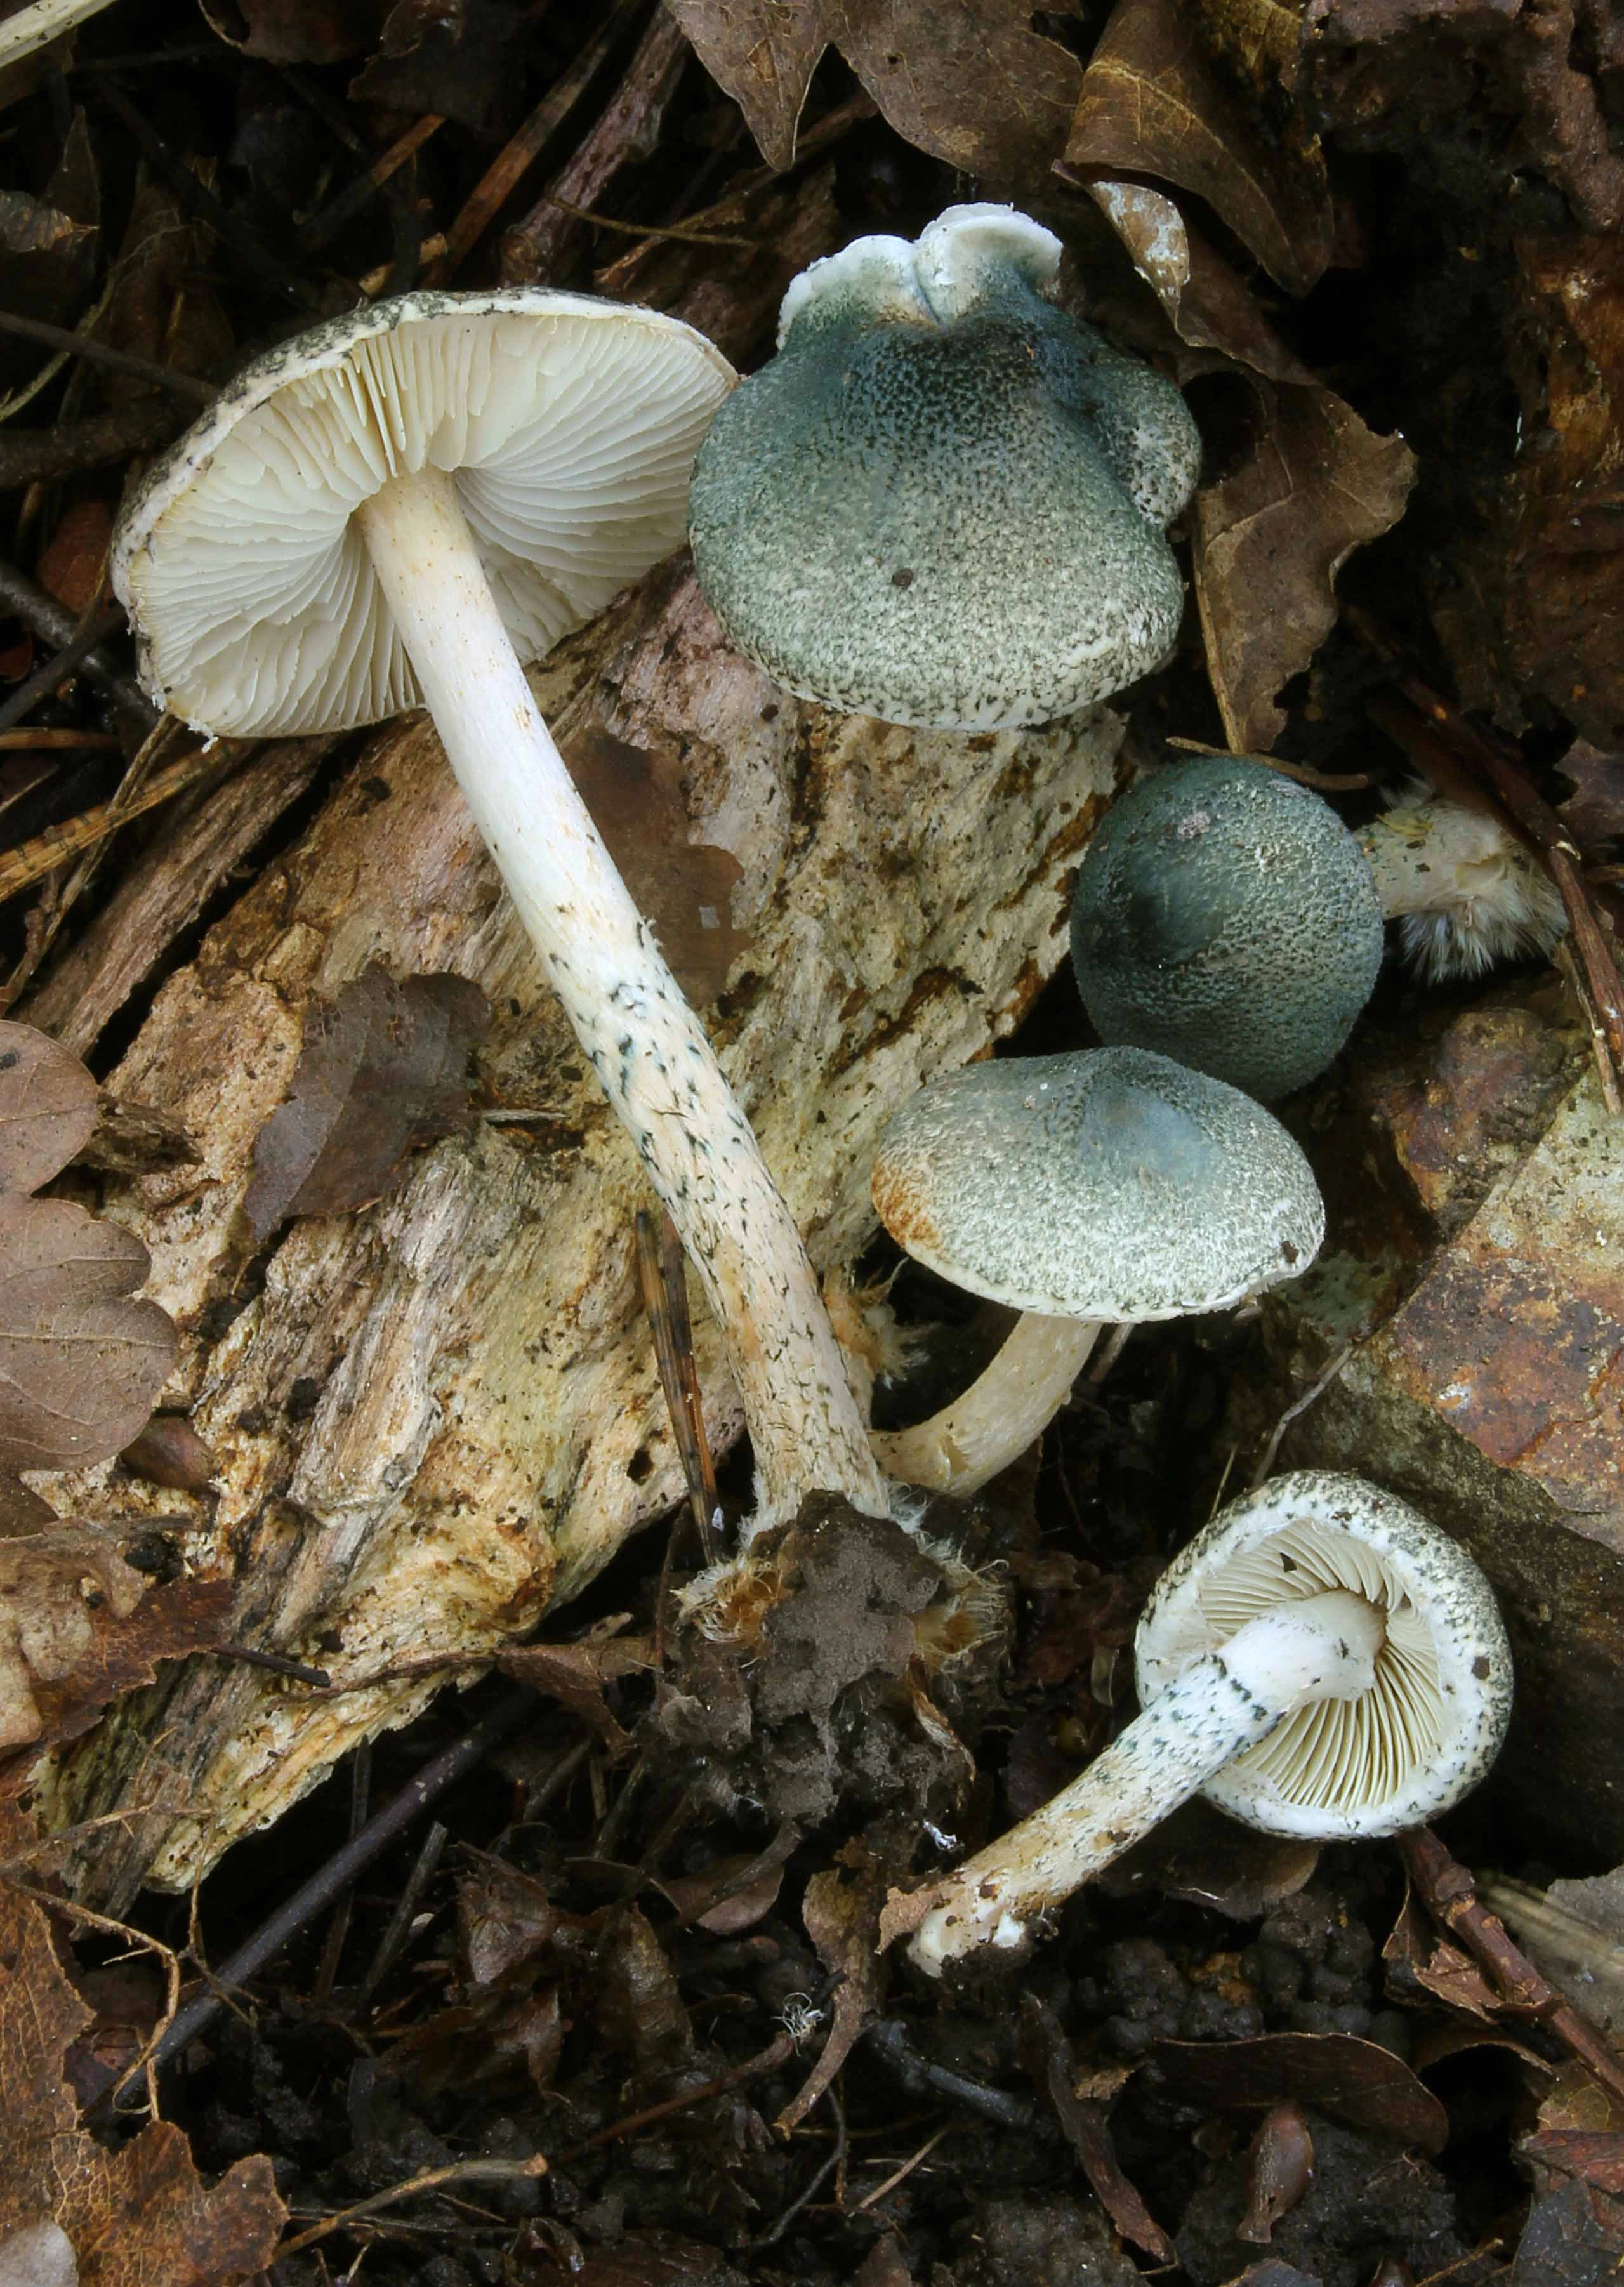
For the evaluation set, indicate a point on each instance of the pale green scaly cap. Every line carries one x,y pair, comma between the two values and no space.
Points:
1109,1184
942,503
570,424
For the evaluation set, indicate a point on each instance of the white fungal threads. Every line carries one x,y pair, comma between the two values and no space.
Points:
1465,893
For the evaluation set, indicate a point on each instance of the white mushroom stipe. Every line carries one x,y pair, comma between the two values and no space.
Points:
631,1016
1320,1662
999,1416
401,505
1324,1647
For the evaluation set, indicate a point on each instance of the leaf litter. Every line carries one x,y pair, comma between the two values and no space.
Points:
647,1950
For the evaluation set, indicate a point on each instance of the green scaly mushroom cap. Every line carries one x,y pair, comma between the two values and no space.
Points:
1226,917
941,503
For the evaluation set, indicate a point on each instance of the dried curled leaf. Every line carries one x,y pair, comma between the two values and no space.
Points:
81,1361
53,1587
969,81
136,2215
384,1071
1179,92
48,1107
685,888
1353,2080
1270,539
122,1648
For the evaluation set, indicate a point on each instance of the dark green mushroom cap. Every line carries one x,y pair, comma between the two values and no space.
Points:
1226,917
1110,1184
942,503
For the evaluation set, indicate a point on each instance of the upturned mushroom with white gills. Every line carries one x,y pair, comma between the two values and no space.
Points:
1101,1188
1226,917
942,503
395,510
1465,893
1321,1662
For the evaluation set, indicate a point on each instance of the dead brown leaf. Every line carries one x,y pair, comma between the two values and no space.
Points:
78,1628
842,1920
1355,2081
733,294
160,307
135,2216
54,1587
295,31
123,1648
1416,1956
1594,812
1046,2056
463,59
384,1071
969,81
1593,2156
48,1107
1210,303
1269,539
685,888
80,1360
1179,92
574,1675
71,568
737,1892
49,246
1564,567
1574,2237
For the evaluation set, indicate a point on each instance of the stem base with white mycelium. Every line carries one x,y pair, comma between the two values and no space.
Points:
1004,1410
1318,1648
631,1016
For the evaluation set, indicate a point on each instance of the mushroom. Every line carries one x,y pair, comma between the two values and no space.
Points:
1465,893
395,509
1226,917
1109,1185
942,503
1320,1662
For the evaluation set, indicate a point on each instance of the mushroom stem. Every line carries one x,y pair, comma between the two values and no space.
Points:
1317,1648
1005,1410
628,1012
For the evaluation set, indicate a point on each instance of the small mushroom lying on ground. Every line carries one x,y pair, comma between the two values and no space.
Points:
942,503
1320,1662
1465,893
1226,917
1104,1187
397,509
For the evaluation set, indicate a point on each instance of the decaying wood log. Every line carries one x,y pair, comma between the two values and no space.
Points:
439,1416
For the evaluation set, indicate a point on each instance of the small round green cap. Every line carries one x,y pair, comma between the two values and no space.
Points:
1110,1184
1226,917
942,503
